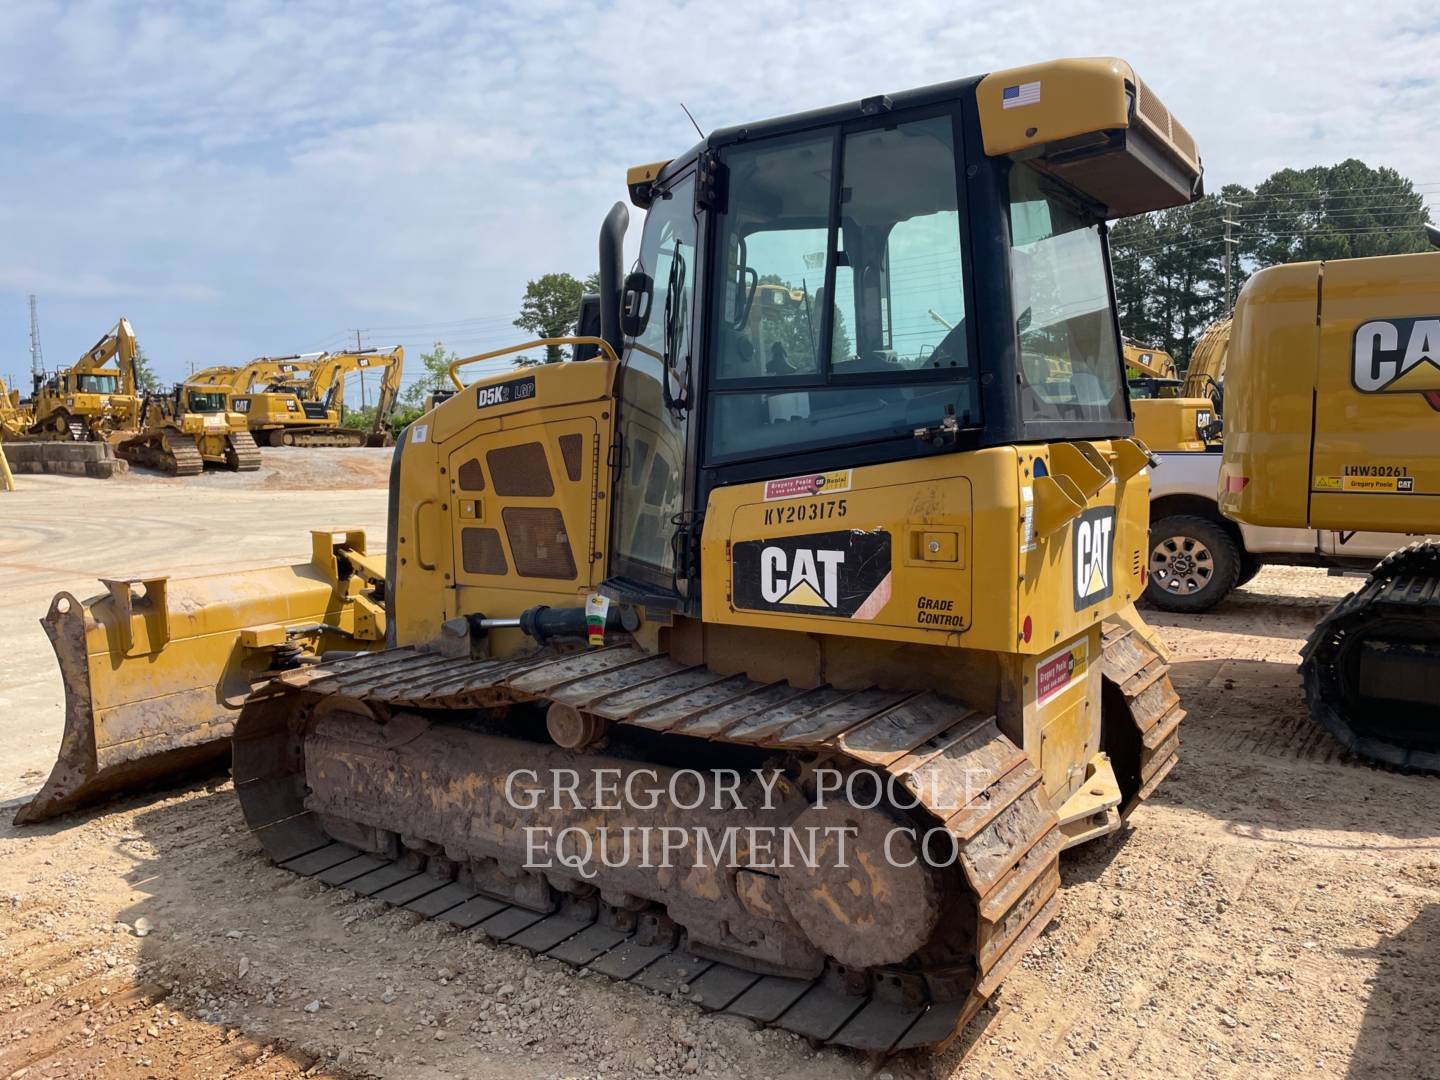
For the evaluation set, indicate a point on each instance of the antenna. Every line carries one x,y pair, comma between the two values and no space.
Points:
37,357
692,121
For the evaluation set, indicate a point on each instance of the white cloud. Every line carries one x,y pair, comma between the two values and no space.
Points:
258,176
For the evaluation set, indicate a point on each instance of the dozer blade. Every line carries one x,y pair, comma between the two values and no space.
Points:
155,670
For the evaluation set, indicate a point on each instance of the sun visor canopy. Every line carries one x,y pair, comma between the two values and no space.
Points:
1096,126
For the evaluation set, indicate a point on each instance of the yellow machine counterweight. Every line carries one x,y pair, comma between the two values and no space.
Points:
1333,384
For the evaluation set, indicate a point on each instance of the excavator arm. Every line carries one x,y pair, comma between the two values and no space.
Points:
1206,373
1147,360
119,345
327,380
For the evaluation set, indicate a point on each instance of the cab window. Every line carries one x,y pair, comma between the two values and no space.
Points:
1070,361
97,384
841,312
206,402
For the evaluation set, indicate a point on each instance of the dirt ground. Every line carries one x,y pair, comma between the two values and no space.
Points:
1274,911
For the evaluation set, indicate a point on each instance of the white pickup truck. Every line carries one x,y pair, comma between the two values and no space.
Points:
1197,557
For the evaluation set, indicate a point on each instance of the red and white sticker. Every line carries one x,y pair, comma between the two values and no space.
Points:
808,486
1060,670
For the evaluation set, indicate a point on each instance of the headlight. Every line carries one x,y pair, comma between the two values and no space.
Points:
70,402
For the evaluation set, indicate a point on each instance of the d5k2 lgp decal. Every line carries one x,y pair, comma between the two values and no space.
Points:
843,574
1093,541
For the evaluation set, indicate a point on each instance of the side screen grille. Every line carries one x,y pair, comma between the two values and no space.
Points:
481,551
538,540
570,448
471,476
520,471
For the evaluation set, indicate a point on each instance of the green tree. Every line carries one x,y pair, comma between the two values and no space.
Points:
436,363
145,377
549,309
1170,266
1343,211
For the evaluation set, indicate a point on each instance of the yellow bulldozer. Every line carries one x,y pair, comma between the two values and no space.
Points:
305,407
90,400
15,419
853,613
1333,422
189,427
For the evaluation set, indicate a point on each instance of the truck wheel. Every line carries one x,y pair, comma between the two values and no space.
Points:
1249,567
1194,564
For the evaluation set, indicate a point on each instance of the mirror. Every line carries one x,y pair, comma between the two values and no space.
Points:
636,298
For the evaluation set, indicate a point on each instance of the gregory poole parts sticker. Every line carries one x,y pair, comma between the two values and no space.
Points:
808,486
1059,670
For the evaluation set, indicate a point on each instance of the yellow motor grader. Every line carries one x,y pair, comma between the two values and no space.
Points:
876,587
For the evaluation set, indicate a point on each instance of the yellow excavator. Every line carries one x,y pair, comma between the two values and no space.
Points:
872,590
305,407
192,425
258,373
90,400
1167,415
1149,362
1205,374
1333,422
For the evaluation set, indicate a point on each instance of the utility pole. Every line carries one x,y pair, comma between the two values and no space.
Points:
360,348
37,357
1225,205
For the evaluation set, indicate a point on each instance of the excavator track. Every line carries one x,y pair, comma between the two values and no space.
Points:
241,453
380,774
1369,667
166,451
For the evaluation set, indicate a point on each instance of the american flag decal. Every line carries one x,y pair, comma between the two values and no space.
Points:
1024,94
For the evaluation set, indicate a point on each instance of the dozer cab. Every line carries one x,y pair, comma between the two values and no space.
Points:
876,566
189,427
306,406
90,400
1333,391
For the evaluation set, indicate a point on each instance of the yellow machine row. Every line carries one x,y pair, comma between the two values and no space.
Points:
842,489
1333,422
303,406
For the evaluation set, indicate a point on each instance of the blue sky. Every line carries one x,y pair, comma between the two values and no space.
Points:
259,177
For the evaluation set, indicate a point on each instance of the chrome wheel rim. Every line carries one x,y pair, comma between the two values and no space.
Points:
1182,565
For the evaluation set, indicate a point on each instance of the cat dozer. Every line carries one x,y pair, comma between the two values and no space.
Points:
192,426
880,563
155,669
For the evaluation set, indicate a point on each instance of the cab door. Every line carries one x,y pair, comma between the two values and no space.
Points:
649,461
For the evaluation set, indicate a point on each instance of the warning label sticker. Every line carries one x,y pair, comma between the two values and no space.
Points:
1060,670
